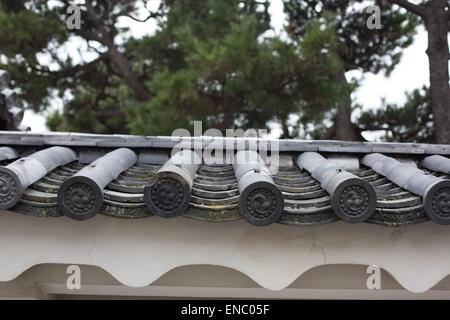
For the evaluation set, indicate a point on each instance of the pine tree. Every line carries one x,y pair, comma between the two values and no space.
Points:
409,122
29,29
436,16
209,60
360,48
229,76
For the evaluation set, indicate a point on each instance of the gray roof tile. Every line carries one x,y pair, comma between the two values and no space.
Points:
404,194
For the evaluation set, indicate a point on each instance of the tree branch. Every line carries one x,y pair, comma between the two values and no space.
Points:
150,16
414,8
81,67
69,72
100,34
89,36
448,18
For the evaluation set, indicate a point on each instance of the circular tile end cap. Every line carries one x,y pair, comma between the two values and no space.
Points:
168,196
11,189
80,198
261,203
354,200
436,202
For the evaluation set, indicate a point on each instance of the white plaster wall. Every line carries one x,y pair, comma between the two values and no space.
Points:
138,252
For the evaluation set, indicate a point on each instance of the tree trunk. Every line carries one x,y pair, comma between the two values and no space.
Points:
140,91
101,35
436,18
344,128
438,53
284,126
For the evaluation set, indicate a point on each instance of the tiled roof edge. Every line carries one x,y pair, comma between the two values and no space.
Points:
14,138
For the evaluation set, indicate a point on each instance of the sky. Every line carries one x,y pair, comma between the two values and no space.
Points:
411,73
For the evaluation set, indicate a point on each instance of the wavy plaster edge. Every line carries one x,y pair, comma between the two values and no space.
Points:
138,251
